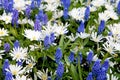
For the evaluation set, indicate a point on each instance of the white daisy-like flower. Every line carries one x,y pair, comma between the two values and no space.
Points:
103,16
43,75
20,4
30,64
15,69
98,3
82,35
57,14
32,34
78,13
25,21
6,17
109,47
61,29
112,14
95,37
19,53
72,37
3,32
115,28
112,77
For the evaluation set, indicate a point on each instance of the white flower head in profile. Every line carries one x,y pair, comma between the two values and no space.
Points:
32,34
95,37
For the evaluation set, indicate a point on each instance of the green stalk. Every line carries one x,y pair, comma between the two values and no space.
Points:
79,69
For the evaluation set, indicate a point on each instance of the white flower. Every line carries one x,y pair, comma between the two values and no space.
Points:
78,13
57,14
103,16
33,47
19,53
6,17
95,37
82,35
115,29
3,32
15,69
112,14
25,21
32,34
61,29
30,64
42,74
112,77
98,3
1,51
72,37
20,4
109,47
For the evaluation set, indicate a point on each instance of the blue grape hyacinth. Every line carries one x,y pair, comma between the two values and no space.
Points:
5,66
81,28
101,27
60,70
90,57
58,55
7,47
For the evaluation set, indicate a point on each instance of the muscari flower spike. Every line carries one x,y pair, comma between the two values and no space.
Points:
90,57
96,67
102,74
15,17
52,38
71,57
101,27
58,55
5,66
81,27
37,26
7,47
87,13
28,11
60,70
47,42
8,76
16,44
106,64
118,8
89,77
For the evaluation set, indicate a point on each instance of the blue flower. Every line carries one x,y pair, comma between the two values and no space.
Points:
8,76
87,13
37,26
5,66
101,27
28,11
90,57
16,44
58,55
52,37
96,67
38,3
65,13
44,19
89,77
66,4
81,27
15,17
106,64
47,42
71,57
118,8
19,62
101,74
7,47
60,70
32,4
